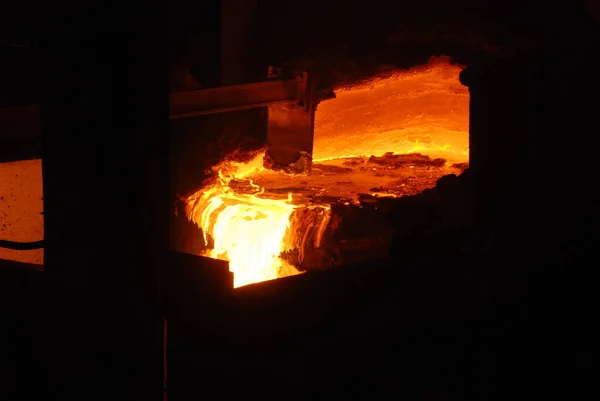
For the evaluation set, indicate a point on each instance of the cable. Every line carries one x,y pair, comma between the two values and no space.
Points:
21,246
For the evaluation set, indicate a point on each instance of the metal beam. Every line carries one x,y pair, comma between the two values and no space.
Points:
237,97
20,127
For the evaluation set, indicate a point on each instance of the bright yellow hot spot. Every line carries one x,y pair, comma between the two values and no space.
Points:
248,230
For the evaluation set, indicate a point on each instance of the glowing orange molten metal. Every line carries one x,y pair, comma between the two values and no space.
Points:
248,230
422,110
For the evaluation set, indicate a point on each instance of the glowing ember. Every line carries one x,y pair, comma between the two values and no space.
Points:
362,138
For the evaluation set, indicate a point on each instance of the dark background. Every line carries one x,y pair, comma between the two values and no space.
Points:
332,32
481,325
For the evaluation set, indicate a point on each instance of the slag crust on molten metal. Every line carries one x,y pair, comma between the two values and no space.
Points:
347,179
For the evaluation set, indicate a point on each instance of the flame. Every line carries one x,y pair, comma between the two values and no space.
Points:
247,230
422,110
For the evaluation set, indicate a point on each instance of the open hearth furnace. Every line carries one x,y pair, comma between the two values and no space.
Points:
302,183
389,211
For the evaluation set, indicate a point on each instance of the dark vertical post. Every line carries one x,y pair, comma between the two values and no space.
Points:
105,166
502,145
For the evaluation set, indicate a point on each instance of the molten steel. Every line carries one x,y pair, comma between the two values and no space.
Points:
247,229
424,110
363,141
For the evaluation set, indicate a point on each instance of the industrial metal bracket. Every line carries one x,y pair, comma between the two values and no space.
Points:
283,87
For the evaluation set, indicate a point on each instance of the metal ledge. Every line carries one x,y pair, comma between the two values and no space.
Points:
237,97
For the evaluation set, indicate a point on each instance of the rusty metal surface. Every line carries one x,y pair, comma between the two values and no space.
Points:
238,97
21,208
290,131
291,126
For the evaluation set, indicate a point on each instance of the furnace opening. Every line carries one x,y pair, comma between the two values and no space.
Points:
423,110
392,135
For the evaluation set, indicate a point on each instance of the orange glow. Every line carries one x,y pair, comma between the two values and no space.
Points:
248,229
424,109
21,208
246,219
